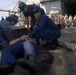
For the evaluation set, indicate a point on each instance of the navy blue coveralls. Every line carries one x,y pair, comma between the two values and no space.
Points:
31,14
22,47
46,29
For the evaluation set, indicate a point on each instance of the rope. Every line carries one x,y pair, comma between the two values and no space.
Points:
15,6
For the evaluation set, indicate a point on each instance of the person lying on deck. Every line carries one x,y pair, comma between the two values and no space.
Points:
25,46
21,46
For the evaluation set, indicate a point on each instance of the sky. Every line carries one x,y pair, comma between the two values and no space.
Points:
8,5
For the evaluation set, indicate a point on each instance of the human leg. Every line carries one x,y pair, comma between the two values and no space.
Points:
50,36
29,61
8,58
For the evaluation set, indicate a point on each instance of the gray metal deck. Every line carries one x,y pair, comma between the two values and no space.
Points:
64,60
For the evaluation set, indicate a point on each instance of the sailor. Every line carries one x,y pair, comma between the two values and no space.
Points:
5,30
28,12
45,29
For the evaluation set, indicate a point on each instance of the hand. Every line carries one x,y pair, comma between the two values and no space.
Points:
33,40
28,29
24,37
34,26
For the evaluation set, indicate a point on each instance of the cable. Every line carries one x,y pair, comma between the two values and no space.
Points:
15,6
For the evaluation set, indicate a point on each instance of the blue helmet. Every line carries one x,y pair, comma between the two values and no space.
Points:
12,17
36,10
21,6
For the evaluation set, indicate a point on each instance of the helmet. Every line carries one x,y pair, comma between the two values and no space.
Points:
14,17
36,10
21,6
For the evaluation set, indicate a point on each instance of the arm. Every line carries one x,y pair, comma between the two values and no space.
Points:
39,27
27,22
7,29
36,23
24,37
8,37
14,41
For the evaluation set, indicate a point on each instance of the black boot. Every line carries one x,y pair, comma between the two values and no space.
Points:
6,68
53,45
28,64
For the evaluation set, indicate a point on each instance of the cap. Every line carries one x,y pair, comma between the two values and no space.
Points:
21,6
14,17
36,10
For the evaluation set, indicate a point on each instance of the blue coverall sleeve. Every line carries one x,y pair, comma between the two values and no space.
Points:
39,27
7,28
